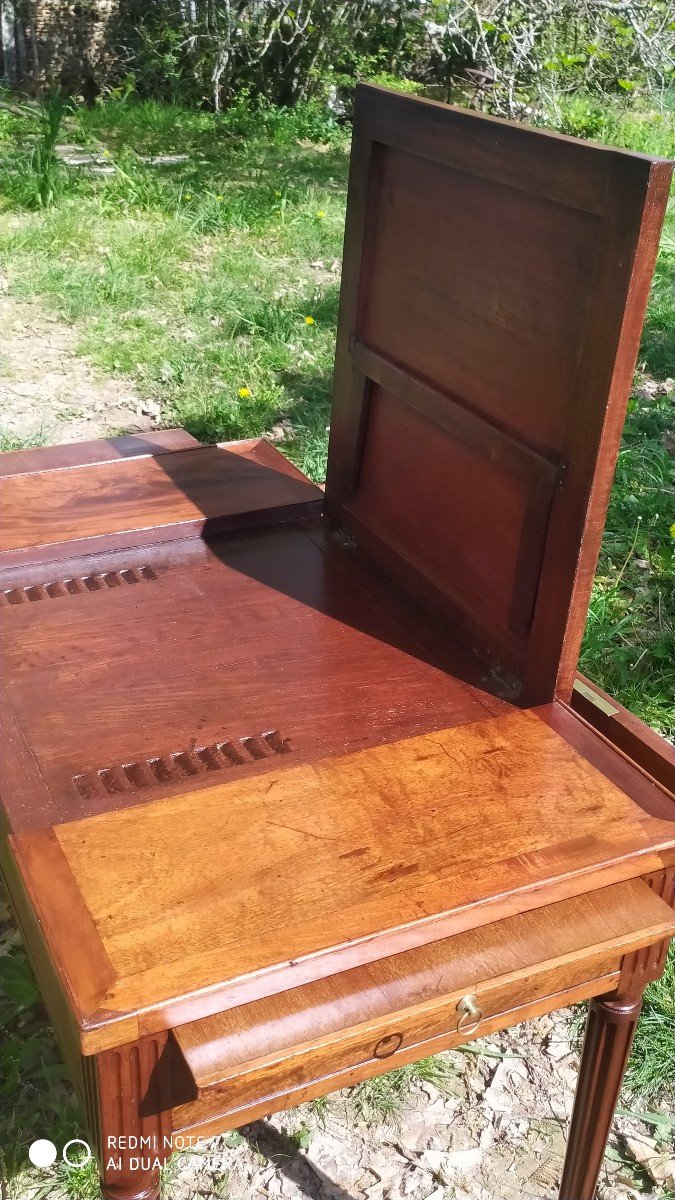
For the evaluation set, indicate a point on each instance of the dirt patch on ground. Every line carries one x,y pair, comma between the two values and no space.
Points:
49,393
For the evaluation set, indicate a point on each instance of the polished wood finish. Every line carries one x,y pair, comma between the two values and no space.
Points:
280,630
203,489
494,286
360,881
627,732
653,796
612,1021
217,1110
26,799
282,791
416,993
128,1103
78,454
645,965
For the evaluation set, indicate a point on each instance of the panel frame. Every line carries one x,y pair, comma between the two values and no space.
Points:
542,473
629,192
626,732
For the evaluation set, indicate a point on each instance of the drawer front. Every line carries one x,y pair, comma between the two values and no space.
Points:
363,1051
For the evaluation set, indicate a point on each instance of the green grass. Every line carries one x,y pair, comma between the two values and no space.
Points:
647,130
36,1099
196,280
8,441
383,1097
630,633
650,1074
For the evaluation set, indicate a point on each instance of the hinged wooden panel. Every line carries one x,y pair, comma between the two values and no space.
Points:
494,287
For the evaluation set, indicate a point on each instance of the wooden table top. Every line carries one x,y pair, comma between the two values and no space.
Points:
186,906
148,497
237,766
276,630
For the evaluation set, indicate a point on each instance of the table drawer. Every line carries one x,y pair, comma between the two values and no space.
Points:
336,1031
314,1071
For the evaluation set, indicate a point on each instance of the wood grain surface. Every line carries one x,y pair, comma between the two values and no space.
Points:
218,1109
200,489
321,867
78,454
359,1004
280,631
495,277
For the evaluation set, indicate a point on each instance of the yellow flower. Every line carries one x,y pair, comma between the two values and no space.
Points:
188,195
244,392
309,320
219,197
321,214
672,530
106,154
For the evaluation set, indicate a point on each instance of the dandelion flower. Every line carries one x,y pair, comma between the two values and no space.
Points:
219,197
188,195
309,320
244,392
321,214
672,530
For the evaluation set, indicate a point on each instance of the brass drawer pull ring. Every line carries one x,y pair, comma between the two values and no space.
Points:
388,1045
471,1015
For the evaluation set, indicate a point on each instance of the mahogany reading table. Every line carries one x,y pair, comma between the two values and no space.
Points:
298,787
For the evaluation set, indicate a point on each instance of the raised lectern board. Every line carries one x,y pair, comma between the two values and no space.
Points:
495,281
297,788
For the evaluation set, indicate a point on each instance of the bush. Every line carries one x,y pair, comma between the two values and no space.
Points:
502,55
524,58
36,178
206,52
509,57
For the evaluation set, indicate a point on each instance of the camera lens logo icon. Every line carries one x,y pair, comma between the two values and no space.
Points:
43,1153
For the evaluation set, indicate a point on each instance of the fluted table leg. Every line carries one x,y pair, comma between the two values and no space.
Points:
612,1021
129,1111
